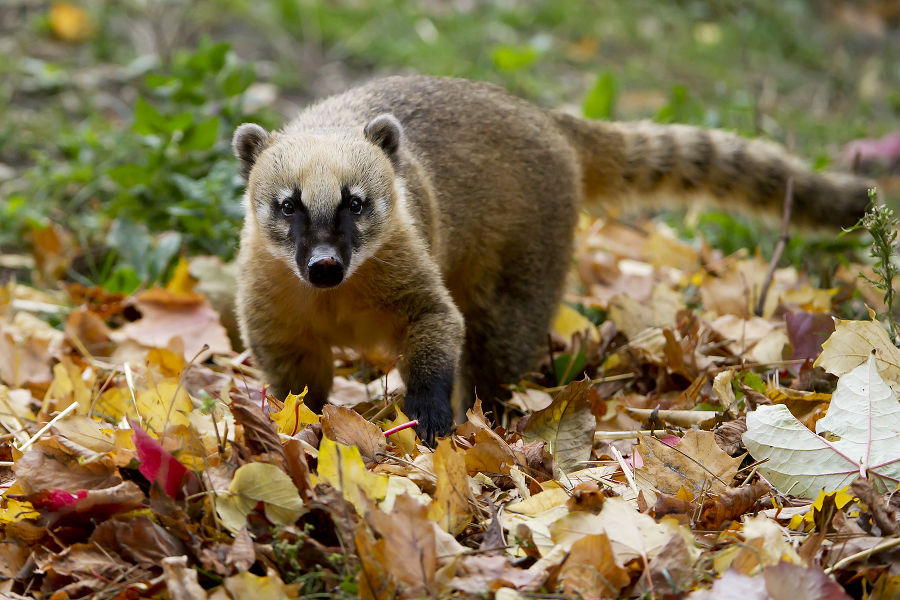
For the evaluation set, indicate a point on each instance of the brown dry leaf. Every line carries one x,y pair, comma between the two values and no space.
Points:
88,330
479,574
631,533
49,465
491,455
407,545
374,581
81,560
567,425
52,246
730,504
591,569
260,433
242,553
23,359
181,580
165,316
138,540
696,463
671,570
450,508
633,317
348,427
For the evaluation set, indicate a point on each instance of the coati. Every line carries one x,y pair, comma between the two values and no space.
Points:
434,217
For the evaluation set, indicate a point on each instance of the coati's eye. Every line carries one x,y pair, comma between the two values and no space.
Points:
355,205
287,207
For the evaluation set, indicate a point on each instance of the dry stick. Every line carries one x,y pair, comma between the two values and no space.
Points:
780,246
881,547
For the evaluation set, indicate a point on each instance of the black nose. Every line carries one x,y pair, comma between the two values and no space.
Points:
325,272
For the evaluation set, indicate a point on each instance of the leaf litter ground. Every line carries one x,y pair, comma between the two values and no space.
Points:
142,457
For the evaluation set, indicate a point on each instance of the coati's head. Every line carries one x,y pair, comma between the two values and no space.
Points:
322,200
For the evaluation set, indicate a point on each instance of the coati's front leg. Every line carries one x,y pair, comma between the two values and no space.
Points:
431,349
291,370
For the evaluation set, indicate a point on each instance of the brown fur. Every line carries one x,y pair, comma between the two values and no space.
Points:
461,266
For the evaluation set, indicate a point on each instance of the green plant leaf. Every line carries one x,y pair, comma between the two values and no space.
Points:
600,103
130,175
147,119
202,136
512,58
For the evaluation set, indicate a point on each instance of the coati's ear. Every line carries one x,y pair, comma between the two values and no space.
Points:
248,141
385,132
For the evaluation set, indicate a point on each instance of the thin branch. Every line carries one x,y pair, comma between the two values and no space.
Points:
782,243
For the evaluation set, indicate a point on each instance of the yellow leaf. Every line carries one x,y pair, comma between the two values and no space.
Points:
17,510
68,387
540,502
295,415
406,439
70,23
163,405
569,321
450,508
181,282
343,467
259,482
258,587
166,362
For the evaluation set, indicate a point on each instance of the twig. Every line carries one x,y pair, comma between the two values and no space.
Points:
881,547
780,246
401,427
49,424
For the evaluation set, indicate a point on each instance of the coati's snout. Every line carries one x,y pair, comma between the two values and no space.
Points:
324,268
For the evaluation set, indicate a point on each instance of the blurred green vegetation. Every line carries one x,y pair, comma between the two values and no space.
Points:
125,135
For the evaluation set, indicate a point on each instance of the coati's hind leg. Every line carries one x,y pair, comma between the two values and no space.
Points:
291,370
505,338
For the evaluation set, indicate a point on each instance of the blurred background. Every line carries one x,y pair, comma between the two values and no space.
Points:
116,116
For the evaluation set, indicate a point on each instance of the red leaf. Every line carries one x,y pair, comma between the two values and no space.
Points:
158,464
53,500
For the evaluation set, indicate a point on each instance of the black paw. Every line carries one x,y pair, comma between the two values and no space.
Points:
433,413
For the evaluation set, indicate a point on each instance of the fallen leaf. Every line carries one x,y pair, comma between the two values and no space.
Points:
567,425
343,468
864,415
159,466
591,569
165,316
695,464
70,22
450,508
346,426
853,342
294,416
259,482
